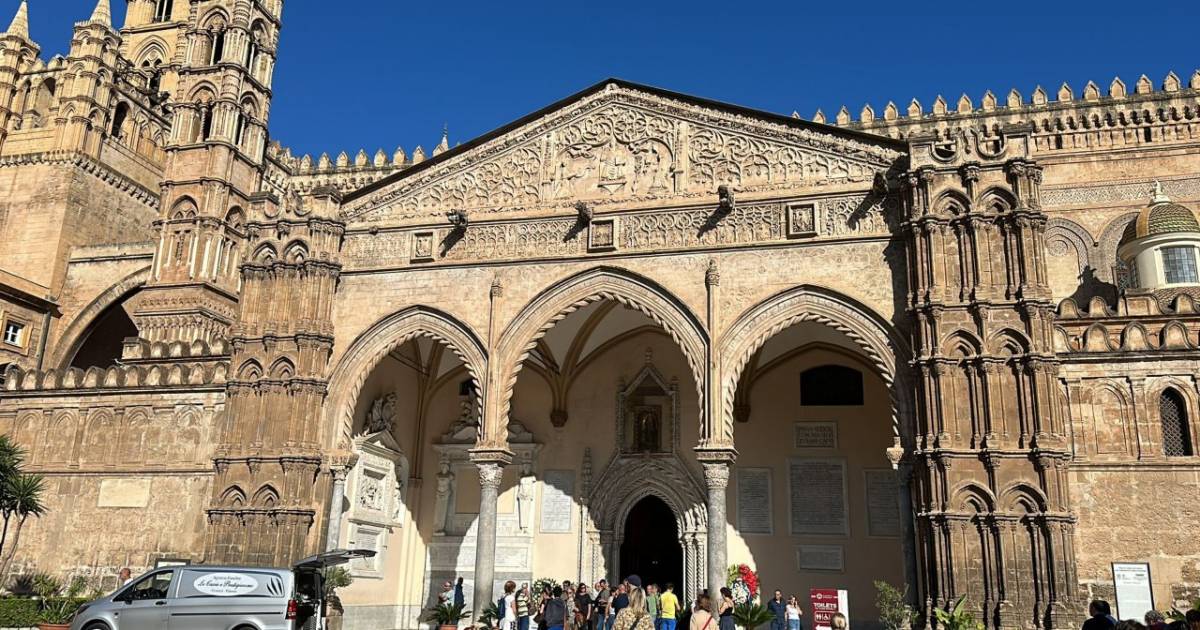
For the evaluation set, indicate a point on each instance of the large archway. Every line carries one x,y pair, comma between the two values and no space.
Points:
650,544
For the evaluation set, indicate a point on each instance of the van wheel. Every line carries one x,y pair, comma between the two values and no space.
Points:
96,625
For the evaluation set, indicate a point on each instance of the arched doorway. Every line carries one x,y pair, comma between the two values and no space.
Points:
650,544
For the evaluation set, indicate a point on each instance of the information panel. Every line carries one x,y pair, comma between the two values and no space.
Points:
883,504
1134,595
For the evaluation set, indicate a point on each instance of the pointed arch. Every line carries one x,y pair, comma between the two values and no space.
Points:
570,294
369,348
76,332
878,340
233,496
266,497
961,343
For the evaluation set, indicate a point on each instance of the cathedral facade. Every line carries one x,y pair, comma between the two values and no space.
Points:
954,348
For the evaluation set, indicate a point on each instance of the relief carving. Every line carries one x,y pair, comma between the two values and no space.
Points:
623,144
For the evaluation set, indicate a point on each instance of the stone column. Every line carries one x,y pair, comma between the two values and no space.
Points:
716,477
490,474
333,529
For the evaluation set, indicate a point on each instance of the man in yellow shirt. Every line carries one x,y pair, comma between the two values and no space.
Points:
668,608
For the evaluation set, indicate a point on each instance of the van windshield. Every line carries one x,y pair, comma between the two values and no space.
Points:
153,586
230,583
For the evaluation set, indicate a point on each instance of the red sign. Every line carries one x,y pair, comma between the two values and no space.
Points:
825,603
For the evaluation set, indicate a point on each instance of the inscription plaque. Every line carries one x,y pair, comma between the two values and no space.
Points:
558,500
754,500
820,557
883,506
816,435
818,496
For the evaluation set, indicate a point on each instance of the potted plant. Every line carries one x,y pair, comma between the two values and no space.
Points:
58,604
749,615
335,578
447,615
489,617
957,618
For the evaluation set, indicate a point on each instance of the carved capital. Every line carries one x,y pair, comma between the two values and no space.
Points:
716,475
712,276
497,289
490,475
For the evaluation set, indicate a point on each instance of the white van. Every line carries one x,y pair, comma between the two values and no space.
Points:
202,597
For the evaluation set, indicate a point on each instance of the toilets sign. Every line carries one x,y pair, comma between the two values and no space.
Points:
825,603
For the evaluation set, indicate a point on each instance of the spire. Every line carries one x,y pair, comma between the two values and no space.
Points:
20,23
102,14
1159,195
444,145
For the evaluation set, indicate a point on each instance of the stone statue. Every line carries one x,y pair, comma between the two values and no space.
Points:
445,491
382,415
525,500
647,431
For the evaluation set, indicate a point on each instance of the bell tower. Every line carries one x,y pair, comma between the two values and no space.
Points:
225,56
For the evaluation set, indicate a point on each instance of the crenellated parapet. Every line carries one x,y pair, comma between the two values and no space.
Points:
1062,120
343,172
1141,323
144,365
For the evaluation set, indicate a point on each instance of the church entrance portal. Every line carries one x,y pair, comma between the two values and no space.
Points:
650,545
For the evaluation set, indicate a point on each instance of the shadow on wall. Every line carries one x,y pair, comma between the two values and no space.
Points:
1091,286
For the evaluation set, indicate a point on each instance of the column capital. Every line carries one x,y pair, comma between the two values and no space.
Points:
490,474
716,475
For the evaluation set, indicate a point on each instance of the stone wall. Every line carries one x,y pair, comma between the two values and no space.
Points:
126,454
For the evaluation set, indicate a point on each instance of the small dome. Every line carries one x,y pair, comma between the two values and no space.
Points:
1162,216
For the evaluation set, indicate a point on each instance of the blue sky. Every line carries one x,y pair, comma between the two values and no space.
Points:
385,73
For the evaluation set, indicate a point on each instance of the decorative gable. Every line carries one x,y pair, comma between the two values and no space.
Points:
624,144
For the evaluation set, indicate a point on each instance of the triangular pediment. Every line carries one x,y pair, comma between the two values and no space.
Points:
622,143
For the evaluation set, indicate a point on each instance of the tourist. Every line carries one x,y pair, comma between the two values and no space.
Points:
125,576
778,607
554,611
600,605
621,600
725,610
1101,618
583,607
459,598
839,622
668,610
1155,620
446,596
509,610
522,601
794,613
701,618
652,602
634,615
1129,624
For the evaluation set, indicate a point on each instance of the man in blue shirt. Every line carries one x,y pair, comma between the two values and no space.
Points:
778,607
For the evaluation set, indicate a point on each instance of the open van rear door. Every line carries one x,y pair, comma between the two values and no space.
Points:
333,558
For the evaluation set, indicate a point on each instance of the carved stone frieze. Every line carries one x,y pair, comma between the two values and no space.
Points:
622,144
1118,192
749,223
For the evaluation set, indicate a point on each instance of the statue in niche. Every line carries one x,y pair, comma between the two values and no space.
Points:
525,499
612,167
647,429
382,415
445,490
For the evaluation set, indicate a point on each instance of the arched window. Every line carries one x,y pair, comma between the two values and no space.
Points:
119,117
206,122
162,10
218,47
831,385
1177,438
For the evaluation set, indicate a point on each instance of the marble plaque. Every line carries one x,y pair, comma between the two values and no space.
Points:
820,558
816,435
558,501
883,505
124,493
817,488
754,500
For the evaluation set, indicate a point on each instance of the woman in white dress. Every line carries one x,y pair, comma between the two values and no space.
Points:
509,619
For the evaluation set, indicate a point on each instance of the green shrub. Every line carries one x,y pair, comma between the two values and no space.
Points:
19,613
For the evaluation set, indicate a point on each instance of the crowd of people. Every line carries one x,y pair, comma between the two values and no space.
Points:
1100,617
629,605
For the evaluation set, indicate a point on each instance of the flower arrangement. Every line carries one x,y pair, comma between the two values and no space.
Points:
743,582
